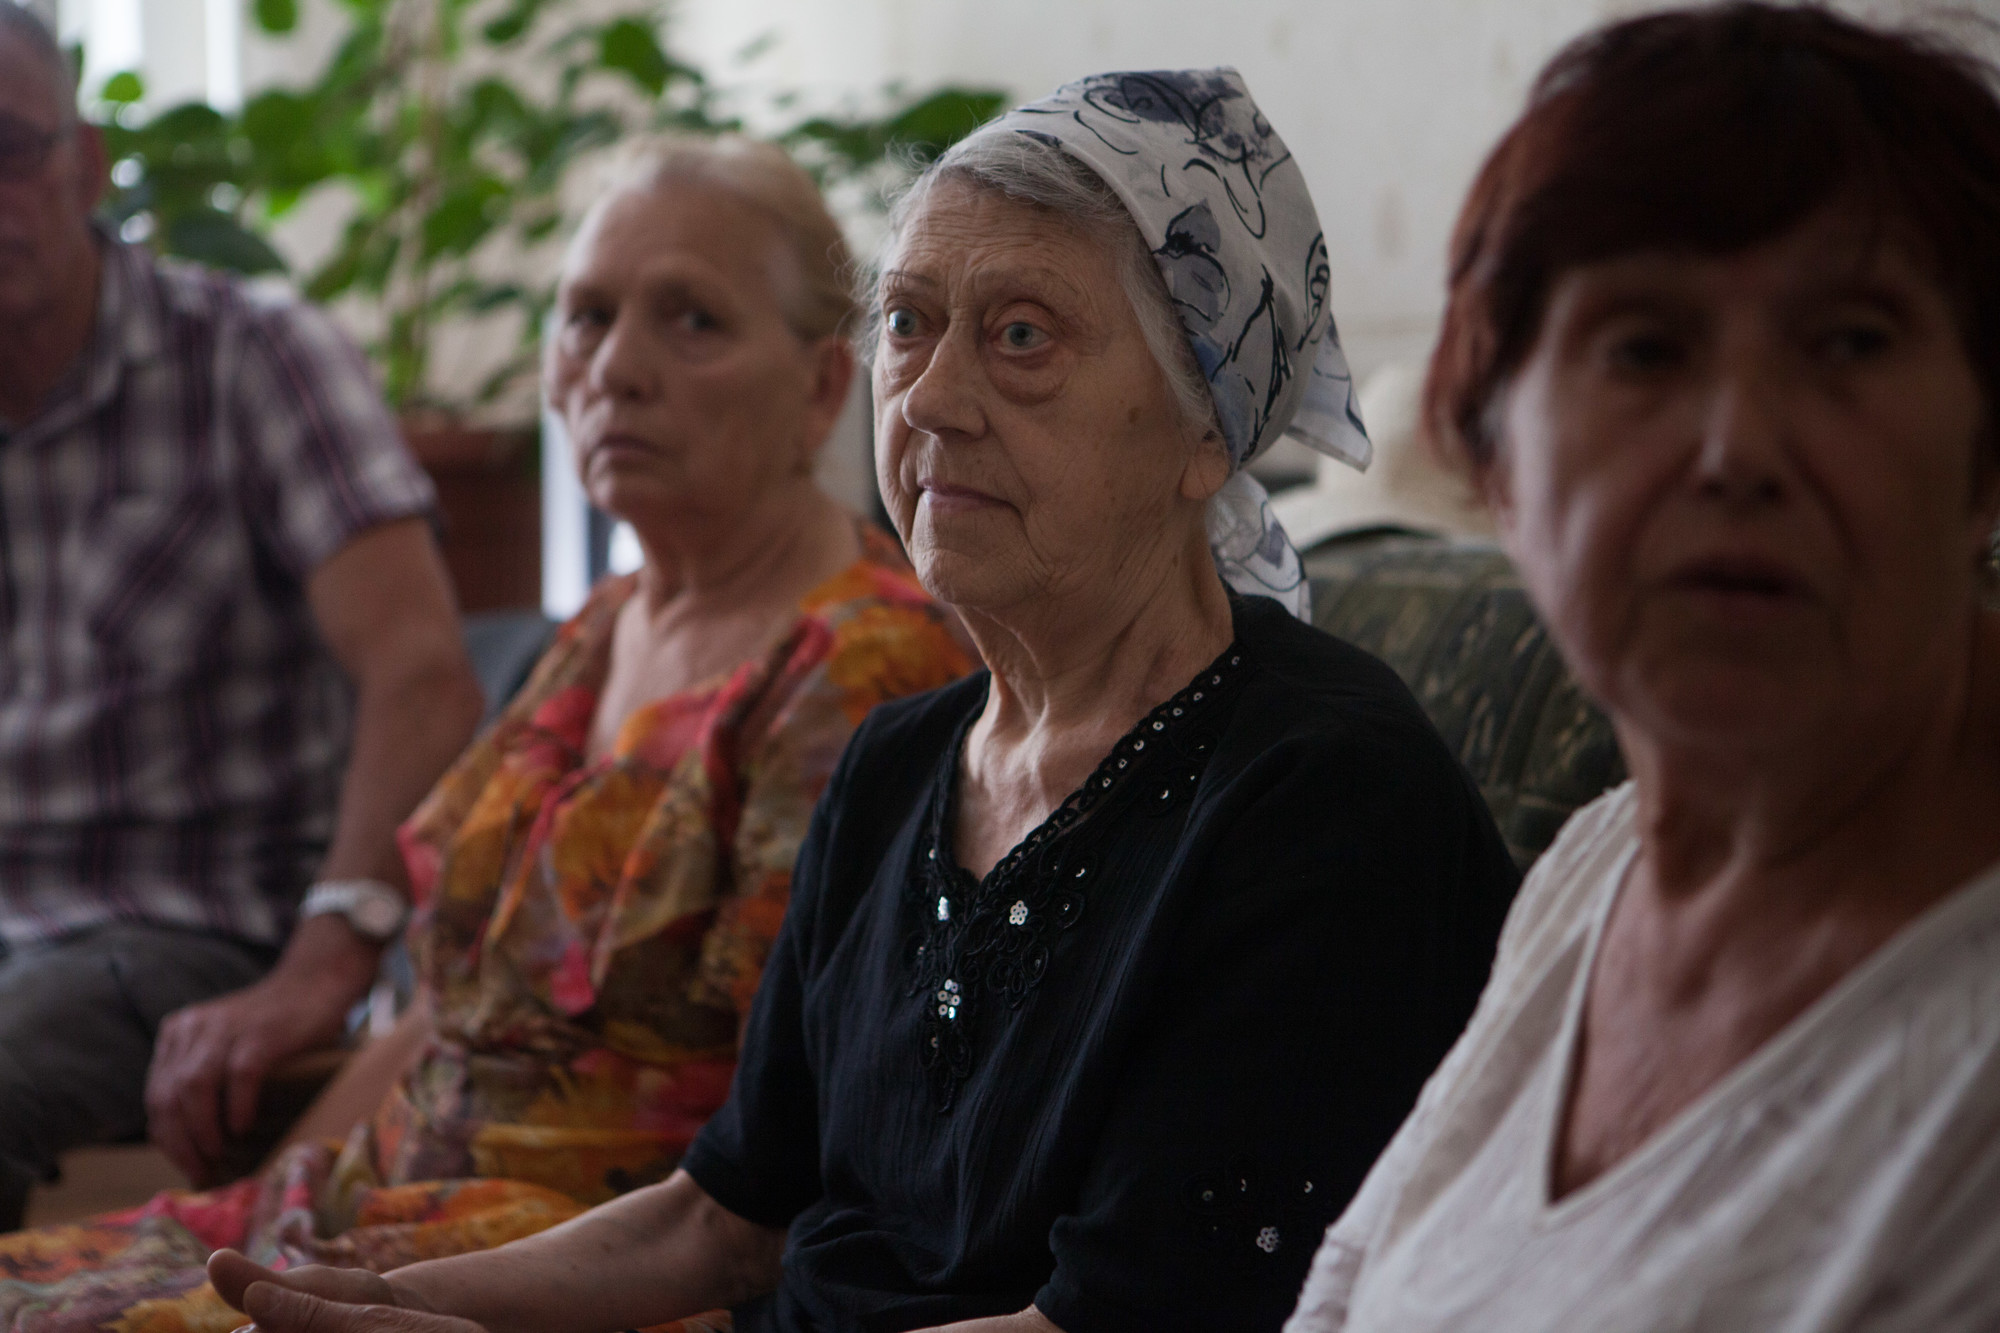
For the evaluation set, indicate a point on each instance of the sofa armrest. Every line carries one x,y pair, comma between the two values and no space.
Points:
1452,619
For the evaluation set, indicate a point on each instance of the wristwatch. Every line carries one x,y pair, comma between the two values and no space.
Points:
374,909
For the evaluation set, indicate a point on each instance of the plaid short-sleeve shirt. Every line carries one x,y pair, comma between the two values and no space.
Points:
172,727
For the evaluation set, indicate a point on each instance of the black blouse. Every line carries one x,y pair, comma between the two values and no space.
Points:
1132,1074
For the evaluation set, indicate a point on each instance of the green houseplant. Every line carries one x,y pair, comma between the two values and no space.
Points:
451,125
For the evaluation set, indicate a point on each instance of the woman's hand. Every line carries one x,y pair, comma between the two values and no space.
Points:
1030,1320
315,1299
660,1253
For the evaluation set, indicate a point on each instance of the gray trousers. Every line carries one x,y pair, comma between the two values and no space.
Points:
77,1022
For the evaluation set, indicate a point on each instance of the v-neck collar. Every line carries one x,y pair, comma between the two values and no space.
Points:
808,603
1195,700
986,944
1933,928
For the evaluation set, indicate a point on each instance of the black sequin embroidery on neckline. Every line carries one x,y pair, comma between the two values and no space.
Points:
978,943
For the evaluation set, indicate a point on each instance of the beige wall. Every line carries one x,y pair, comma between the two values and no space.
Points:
1389,105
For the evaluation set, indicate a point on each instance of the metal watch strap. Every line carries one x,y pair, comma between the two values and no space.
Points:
373,908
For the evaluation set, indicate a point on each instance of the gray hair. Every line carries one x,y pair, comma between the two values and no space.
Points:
26,26
1041,174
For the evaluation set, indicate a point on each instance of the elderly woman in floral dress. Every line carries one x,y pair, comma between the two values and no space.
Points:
1108,970
601,876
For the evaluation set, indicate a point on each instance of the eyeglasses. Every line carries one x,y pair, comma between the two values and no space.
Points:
25,147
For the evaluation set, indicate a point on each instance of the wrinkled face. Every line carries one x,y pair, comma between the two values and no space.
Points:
1026,441
685,392
1750,494
44,212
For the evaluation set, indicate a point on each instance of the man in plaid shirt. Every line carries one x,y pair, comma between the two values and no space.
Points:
229,666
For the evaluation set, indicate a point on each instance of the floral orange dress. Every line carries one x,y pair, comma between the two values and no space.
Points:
590,934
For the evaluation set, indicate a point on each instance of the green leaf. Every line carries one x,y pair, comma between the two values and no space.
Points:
514,23
191,124
630,47
218,240
335,276
123,89
430,182
378,260
942,119
494,107
924,128
508,27
485,299
276,16
463,217
277,123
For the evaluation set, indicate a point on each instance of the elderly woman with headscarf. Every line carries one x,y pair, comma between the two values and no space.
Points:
1724,346
1108,971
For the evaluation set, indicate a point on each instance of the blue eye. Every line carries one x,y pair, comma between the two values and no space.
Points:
901,322
1020,336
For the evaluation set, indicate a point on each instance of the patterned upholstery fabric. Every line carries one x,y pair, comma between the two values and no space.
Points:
1451,618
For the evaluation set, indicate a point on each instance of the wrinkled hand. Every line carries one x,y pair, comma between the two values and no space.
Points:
323,1300
211,1058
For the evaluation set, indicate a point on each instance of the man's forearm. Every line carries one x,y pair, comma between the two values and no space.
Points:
410,722
657,1254
384,604
324,957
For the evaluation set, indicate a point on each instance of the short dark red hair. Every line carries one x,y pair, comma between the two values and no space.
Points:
1710,131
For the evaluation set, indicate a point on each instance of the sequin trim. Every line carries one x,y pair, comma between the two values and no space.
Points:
991,940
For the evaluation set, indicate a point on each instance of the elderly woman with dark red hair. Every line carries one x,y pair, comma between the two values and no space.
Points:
1724,347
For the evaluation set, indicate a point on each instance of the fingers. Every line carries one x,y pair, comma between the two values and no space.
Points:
280,1309
181,1088
231,1273
209,1059
249,1061
234,1276
346,1286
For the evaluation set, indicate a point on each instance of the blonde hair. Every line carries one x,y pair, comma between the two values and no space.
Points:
763,176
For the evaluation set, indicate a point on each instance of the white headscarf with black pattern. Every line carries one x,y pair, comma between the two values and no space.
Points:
1224,209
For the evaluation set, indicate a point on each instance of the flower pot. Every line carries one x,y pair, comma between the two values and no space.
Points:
489,509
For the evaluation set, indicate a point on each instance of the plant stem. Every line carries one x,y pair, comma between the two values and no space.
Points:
413,320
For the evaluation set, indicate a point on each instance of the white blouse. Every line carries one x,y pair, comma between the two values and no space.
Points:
1846,1176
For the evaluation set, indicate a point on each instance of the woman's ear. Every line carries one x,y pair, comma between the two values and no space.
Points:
830,362
1207,468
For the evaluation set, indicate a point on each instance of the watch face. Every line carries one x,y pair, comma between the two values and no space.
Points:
376,916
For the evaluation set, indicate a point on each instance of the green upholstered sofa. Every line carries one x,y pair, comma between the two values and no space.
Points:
1451,618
